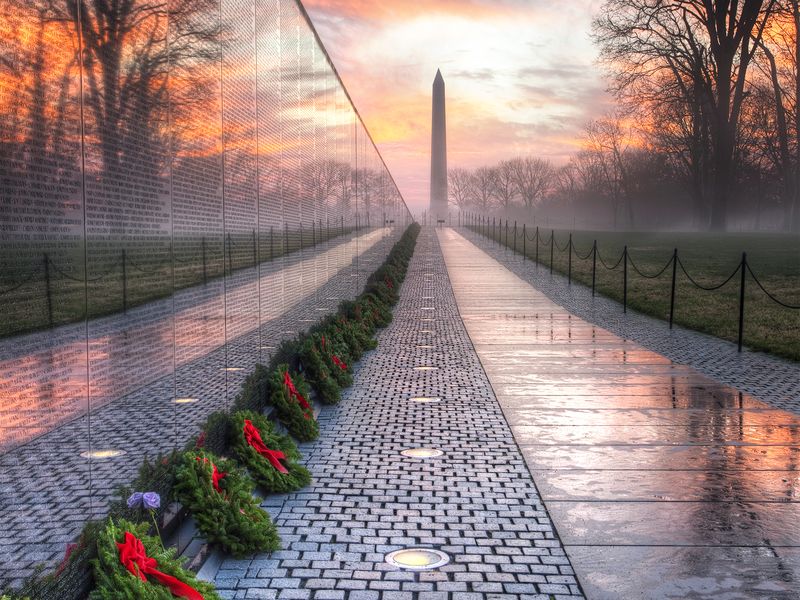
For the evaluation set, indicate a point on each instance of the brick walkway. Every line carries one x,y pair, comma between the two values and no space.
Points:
477,502
769,378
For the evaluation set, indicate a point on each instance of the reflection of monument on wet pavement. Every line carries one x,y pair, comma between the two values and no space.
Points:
438,207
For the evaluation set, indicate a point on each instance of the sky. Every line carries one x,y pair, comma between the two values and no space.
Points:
520,77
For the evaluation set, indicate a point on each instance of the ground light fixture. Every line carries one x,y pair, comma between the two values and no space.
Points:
232,369
426,368
425,399
425,346
417,559
185,400
422,452
102,454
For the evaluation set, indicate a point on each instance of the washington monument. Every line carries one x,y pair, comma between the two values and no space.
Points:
438,208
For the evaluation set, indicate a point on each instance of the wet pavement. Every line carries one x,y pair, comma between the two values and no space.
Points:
661,482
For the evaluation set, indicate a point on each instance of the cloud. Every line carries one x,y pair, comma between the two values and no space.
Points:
520,77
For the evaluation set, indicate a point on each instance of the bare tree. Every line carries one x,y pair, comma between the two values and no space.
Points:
606,137
458,188
777,96
505,186
481,187
704,47
533,178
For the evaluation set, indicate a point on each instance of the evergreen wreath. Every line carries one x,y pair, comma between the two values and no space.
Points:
320,375
298,419
113,581
338,356
263,471
220,497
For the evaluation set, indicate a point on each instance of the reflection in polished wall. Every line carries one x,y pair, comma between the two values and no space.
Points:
174,177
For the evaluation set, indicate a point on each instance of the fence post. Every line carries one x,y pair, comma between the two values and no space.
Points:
552,243
672,290
625,279
515,237
124,282
594,265
255,249
743,267
205,271
569,254
47,289
524,244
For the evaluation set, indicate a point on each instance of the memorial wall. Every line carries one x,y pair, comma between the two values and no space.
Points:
183,184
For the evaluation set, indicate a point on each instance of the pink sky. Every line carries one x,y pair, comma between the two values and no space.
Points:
520,77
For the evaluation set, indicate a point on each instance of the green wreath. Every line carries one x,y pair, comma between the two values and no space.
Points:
320,376
262,470
228,516
114,582
297,419
337,357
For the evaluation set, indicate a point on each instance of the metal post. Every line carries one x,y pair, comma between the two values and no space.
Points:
672,290
515,237
552,243
47,289
625,279
743,267
124,282
569,254
205,271
524,244
594,265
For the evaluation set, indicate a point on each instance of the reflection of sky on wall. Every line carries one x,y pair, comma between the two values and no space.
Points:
520,77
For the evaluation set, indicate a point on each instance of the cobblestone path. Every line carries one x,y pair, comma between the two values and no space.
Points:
663,483
477,501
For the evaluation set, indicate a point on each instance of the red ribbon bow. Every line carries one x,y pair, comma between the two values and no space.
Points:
287,381
323,341
133,557
339,363
216,476
388,282
253,438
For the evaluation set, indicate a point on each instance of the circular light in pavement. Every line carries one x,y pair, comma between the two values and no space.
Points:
422,452
425,399
101,454
417,559
185,400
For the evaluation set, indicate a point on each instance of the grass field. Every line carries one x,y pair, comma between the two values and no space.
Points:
149,274
709,259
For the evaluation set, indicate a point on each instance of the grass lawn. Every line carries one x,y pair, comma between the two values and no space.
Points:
148,274
709,259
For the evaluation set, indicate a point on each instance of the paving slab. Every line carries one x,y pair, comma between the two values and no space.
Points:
662,481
